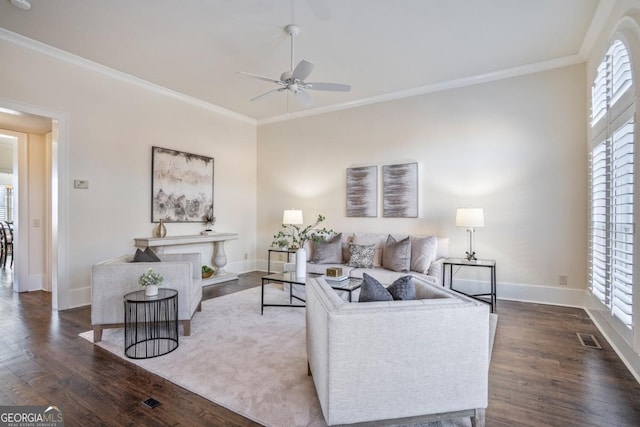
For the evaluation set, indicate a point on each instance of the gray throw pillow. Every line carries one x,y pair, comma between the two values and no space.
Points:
145,256
329,252
403,289
396,256
423,253
372,290
361,256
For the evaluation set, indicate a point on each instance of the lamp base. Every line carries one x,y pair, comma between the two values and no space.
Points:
471,256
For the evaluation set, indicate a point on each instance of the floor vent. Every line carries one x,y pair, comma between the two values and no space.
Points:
588,340
150,403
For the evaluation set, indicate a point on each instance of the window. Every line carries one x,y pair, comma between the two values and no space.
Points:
6,208
611,174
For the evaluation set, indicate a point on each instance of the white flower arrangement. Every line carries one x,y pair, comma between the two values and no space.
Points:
150,278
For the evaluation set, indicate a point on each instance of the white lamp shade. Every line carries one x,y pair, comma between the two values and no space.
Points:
292,217
470,217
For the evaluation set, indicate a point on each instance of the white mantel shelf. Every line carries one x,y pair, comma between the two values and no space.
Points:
219,256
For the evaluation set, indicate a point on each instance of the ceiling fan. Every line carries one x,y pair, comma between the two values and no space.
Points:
294,79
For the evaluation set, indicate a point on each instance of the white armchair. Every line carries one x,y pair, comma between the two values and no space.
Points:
112,279
405,361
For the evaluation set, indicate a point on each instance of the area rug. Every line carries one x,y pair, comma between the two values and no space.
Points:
251,364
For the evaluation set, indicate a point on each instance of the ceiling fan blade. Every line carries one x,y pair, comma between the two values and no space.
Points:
267,93
304,98
259,77
334,87
302,70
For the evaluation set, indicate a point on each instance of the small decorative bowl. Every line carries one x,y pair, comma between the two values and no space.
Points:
207,274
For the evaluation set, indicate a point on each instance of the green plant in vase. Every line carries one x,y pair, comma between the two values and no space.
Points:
150,282
206,271
294,236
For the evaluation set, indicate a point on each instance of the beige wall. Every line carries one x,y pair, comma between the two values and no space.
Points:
515,147
112,125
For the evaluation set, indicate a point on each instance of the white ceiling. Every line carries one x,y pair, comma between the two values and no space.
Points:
383,48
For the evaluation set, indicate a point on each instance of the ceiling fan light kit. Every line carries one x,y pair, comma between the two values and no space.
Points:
293,80
21,4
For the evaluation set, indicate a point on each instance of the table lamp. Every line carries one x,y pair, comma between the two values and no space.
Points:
292,217
470,218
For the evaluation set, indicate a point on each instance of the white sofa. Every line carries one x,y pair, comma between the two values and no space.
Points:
432,275
402,360
112,279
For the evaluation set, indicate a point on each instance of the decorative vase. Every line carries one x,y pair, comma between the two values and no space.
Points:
161,230
301,262
151,290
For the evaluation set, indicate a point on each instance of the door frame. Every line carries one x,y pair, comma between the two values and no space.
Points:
58,206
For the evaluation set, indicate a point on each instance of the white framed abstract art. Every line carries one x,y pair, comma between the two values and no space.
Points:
400,190
181,186
362,191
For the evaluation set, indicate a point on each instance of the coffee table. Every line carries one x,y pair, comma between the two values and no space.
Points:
348,285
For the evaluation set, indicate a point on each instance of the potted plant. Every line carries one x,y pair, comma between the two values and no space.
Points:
294,237
208,221
206,271
150,282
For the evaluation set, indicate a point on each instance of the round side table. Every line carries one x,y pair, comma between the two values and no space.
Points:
150,324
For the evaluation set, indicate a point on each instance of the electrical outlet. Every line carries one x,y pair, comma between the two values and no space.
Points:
563,280
246,256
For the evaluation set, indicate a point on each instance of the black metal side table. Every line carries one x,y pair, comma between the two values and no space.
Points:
489,297
282,251
150,324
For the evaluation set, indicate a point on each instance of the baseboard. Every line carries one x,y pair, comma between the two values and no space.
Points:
630,358
76,298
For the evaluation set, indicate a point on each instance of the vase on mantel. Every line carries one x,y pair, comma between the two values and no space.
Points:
301,262
161,230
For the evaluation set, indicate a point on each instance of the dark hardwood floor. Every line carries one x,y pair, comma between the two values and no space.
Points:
540,374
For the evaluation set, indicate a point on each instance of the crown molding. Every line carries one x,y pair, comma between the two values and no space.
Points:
62,55
438,87
597,25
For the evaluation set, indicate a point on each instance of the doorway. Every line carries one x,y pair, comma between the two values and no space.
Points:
36,153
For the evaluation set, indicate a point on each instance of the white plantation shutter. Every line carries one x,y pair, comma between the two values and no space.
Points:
620,71
611,176
599,93
599,250
622,222
3,203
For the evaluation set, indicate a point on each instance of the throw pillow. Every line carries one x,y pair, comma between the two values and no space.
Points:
361,256
145,256
372,290
329,252
423,253
403,289
372,239
396,256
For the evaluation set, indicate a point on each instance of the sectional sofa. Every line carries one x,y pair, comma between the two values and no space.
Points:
391,256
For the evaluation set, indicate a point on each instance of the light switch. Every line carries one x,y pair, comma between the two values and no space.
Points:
81,184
